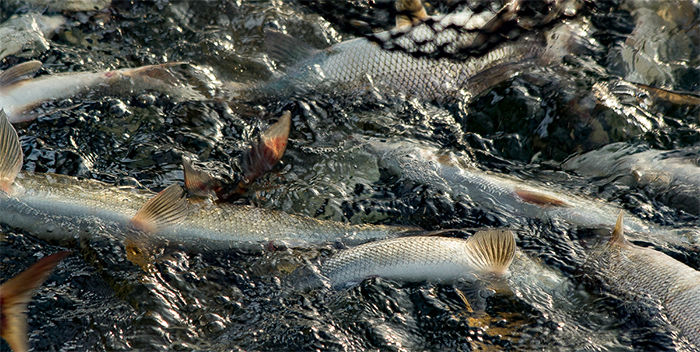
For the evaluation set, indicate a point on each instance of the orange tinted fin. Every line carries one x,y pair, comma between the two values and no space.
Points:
540,199
167,208
16,293
618,233
10,153
678,98
409,13
261,158
19,72
198,182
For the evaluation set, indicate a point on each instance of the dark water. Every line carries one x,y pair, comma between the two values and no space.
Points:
97,300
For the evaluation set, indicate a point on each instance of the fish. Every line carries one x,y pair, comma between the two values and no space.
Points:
16,293
360,65
452,173
59,207
651,278
19,93
27,35
65,5
423,258
673,177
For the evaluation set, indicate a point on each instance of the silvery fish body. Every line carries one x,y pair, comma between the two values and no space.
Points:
359,64
674,175
648,277
423,258
57,206
424,163
19,94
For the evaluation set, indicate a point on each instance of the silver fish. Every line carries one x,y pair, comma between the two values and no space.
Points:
649,277
423,258
60,207
446,171
672,176
358,65
19,94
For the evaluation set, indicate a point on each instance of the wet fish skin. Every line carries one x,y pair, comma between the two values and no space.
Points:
674,179
423,258
446,171
19,93
358,64
649,277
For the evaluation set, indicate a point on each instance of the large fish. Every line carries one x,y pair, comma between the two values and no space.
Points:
446,171
423,258
359,65
19,93
652,278
16,293
60,207
671,176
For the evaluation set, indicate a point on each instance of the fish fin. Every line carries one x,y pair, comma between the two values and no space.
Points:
167,208
540,199
492,250
16,293
19,72
618,235
409,13
261,158
10,153
286,49
198,182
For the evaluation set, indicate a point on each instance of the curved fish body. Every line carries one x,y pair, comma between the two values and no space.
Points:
360,65
58,206
672,176
648,277
452,174
19,94
423,258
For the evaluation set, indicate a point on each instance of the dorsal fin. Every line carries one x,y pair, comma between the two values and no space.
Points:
409,13
198,182
10,153
618,235
286,49
492,250
261,158
167,208
19,72
16,293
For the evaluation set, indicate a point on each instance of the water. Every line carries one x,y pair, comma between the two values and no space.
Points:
97,300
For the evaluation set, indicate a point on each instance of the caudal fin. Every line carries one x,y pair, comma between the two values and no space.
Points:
261,158
198,182
492,250
10,153
16,293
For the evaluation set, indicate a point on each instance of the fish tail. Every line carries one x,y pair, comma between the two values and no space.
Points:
492,250
198,182
10,153
16,293
261,158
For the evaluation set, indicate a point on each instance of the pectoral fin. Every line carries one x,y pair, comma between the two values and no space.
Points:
492,251
10,153
16,293
167,208
19,72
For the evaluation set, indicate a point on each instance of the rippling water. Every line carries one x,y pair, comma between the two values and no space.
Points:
97,300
